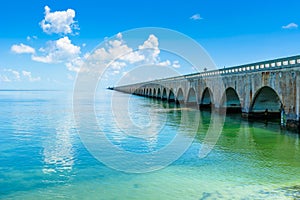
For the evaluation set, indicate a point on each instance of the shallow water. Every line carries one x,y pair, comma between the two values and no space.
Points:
42,154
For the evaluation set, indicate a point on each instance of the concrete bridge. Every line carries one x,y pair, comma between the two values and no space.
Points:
268,89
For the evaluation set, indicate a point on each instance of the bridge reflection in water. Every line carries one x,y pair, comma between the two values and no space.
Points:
268,89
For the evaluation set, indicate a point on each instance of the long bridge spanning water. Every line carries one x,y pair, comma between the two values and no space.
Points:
263,89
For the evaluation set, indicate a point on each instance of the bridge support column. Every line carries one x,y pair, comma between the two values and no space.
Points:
292,119
293,125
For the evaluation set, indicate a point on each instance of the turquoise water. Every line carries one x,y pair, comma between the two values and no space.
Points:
43,157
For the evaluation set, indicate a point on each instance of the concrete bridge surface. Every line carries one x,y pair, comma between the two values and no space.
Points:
268,89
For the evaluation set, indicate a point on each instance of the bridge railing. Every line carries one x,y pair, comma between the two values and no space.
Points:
259,66
276,64
247,68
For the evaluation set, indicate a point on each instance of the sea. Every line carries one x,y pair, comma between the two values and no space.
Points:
138,148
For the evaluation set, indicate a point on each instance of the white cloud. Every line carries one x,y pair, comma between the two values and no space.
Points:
43,59
61,50
115,53
290,26
176,64
166,63
196,17
75,64
115,72
4,78
60,22
22,48
150,49
28,38
119,36
119,49
10,75
117,65
29,76
116,49
15,73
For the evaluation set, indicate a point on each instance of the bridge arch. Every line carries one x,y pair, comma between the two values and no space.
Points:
191,99
154,92
180,96
207,99
164,94
158,93
136,91
171,97
231,100
266,103
150,92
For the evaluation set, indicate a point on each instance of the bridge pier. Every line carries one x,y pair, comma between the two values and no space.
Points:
293,125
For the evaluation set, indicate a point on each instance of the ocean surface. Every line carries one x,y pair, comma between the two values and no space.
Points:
43,156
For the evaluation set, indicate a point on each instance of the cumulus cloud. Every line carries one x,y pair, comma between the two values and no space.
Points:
290,26
119,49
28,38
11,75
29,76
59,22
117,54
196,17
176,64
150,49
117,65
58,51
75,64
165,63
4,78
168,63
22,48
15,73
61,51
119,36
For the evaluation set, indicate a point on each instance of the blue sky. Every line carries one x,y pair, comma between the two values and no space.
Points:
40,46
